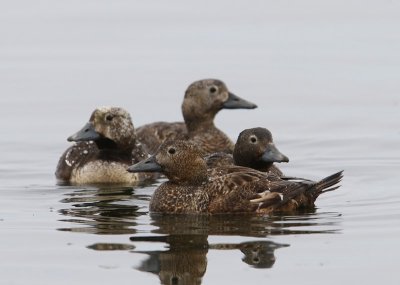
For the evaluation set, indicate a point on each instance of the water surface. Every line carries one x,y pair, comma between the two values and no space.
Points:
325,77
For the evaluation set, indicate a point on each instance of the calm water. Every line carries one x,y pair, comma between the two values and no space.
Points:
326,78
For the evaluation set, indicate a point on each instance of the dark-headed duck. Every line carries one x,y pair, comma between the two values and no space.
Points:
193,188
255,149
105,147
202,101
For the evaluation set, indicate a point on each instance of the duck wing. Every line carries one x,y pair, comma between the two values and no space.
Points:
76,155
154,134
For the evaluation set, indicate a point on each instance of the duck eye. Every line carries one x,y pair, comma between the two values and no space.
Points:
171,150
109,118
253,139
213,89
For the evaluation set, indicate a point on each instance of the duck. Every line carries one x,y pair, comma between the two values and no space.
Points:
202,101
103,149
192,188
254,148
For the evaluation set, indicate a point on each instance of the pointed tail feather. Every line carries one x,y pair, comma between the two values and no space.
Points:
299,195
328,183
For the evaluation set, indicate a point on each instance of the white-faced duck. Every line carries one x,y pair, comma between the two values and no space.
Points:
104,148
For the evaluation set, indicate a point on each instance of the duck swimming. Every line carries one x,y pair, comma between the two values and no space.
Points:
104,148
202,101
255,149
193,188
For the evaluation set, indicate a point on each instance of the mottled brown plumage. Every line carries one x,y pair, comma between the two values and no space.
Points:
154,134
255,149
194,188
105,147
202,101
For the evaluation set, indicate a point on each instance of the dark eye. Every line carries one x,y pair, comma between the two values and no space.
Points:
253,139
171,150
109,118
213,89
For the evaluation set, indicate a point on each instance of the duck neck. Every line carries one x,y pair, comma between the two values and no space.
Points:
192,172
193,179
199,125
258,165
264,167
105,144
110,150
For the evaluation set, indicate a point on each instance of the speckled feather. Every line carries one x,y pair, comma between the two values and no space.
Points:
74,157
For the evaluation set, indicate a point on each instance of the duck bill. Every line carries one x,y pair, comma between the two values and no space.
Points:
87,133
272,154
235,102
148,165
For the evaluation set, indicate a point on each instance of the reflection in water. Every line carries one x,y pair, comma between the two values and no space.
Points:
258,254
184,263
186,238
110,246
102,210
247,224
115,211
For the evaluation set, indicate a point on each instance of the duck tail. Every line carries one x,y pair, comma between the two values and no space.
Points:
328,184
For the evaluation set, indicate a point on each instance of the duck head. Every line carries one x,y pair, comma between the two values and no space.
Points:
108,127
180,161
205,98
255,148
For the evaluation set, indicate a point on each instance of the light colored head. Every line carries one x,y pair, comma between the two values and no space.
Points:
108,124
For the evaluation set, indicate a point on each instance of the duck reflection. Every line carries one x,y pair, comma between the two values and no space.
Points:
185,261
186,237
105,210
258,254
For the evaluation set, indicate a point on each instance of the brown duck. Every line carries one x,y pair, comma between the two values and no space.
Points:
193,188
202,101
